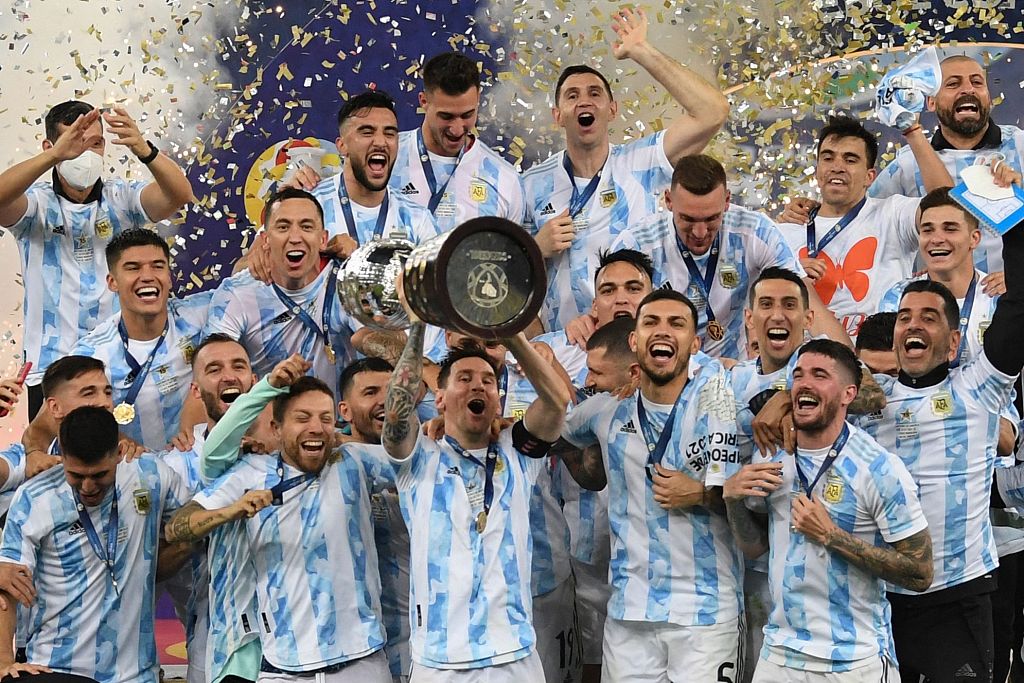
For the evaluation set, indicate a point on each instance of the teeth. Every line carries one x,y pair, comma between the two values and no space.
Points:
778,333
806,401
837,181
230,394
662,350
377,159
914,343
939,252
312,444
586,119
378,414
147,291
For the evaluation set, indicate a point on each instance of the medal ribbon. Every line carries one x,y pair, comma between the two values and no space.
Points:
965,318
436,193
492,460
833,453
106,555
278,490
324,330
579,200
138,373
813,249
656,444
350,220
705,281
503,387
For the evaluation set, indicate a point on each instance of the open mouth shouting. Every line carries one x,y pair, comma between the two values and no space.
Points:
148,294
229,394
662,353
312,446
586,120
777,337
915,346
837,181
477,406
967,106
805,405
378,415
377,163
294,256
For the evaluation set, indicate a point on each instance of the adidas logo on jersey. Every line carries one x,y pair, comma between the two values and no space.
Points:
548,210
59,230
628,428
283,318
454,471
409,189
75,529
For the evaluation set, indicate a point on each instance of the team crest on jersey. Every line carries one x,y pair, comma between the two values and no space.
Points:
942,404
608,198
188,350
779,384
141,499
982,328
906,425
478,192
729,276
499,465
104,229
833,490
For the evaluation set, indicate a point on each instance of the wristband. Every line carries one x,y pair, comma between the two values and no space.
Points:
153,153
913,129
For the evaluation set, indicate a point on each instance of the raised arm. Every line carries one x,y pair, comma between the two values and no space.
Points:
546,415
1002,346
705,108
933,172
192,522
584,464
401,424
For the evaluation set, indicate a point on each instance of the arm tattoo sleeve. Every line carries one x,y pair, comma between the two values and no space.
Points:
908,563
383,345
585,465
400,404
750,530
192,522
870,398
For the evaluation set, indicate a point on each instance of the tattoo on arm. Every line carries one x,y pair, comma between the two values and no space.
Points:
382,345
749,528
184,528
908,563
870,397
400,420
585,465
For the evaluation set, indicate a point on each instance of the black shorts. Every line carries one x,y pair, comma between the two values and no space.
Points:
945,636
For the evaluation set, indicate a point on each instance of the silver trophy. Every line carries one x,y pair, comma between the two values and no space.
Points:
486,278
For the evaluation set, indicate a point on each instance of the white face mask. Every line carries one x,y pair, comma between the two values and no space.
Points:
83,171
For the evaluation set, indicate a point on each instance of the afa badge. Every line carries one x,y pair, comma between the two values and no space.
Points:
942,404
729,276
608,198
982,327
478,192
141,500
833,490
104,229
499,465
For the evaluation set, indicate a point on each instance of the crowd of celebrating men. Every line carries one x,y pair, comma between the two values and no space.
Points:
731,448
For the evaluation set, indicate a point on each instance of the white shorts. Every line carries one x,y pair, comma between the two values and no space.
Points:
370,669
558,641
592,594
527,670
757,603
644,652
879,670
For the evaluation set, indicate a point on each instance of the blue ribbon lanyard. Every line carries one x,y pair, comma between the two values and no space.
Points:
436,193
278,490
503,388
814,248
324,329
137,376
833,453
656,444
350,220
492,460
965,318
579,200
705,281
108,555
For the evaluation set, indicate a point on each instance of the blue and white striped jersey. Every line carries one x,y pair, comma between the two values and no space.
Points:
571,357
163,393
750,242
471,604
250,311
946,435
482,184
405,219
680,567
64,265
79,623
902,176
14,456
632,182
317,580
827,614
747,382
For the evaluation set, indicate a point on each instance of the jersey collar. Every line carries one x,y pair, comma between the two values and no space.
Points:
934,376
992,139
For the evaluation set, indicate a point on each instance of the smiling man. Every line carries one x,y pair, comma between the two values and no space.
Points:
580,198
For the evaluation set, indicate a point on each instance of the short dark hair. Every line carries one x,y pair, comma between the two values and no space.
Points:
667,294
88,434
698,174
580,69
215,338
63,114
291,193
779,273
849,127
453,72
875,333
613,337
368,99
303,385
940,197
466,350
134,237
368,364
65,369
841,353
950,307
636,258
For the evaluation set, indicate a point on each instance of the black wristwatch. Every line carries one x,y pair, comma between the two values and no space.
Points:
153,153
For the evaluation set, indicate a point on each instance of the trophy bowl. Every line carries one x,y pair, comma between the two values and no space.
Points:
366,283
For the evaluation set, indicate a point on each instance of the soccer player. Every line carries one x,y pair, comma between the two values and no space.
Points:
944,424
88,533
854,247
674,612
580,198
480,612
829,506
874,345
63,224
318,590
298,311
148,346
711,250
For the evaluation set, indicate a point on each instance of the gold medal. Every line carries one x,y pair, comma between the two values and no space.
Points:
715,330
481,521
330,354
124,413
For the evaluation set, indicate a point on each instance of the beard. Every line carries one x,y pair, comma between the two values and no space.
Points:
826,414
947,116
662,377
211,402
359,171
